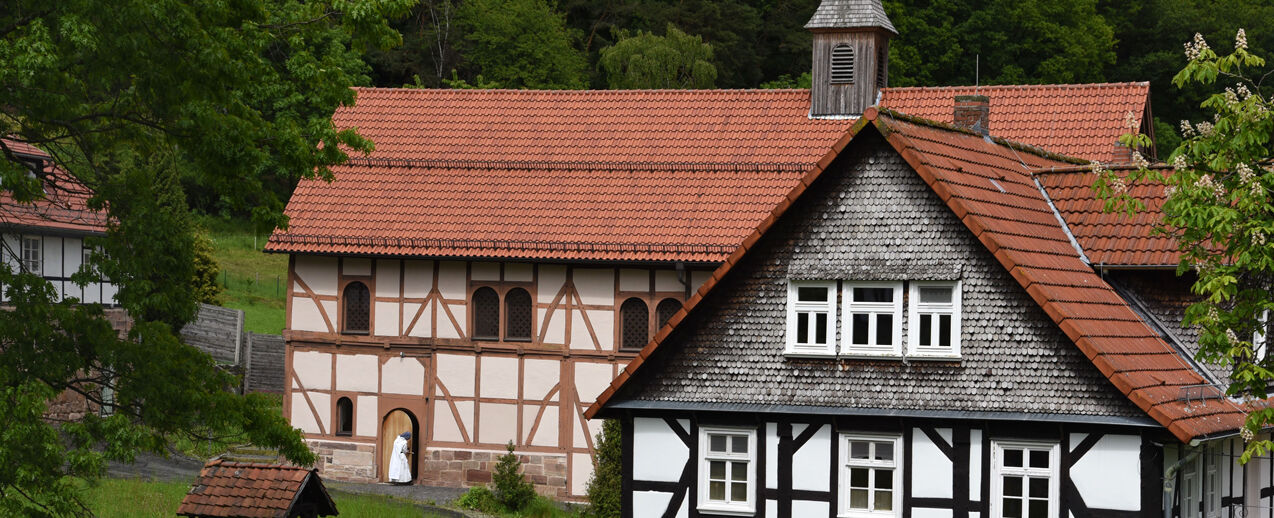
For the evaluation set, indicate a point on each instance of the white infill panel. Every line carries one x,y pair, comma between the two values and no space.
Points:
456,372
545,434
581,471
975,465
497,423
552,277
360,267
921,512
771,457
519,272
386,317
539,378
813,458
591,379
581,336
808,508
305,314
451,280
484,271
357,372
418,279
658,453
930,468
604,326
631,279
313,368
319,273
1109,475
595,286
666,280
553,324
650,504
387,278
367,424
402,376
52,257
302,416
499,377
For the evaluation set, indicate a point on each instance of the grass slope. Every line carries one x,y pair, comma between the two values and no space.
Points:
254,281
118,497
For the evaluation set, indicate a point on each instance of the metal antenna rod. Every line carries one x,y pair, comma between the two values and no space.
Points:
977,72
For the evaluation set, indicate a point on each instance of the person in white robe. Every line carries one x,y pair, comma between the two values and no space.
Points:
399,470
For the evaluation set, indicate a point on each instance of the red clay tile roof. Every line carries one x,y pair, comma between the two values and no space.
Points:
1111,238
1023,233
1082,121
246,489
64,207
657,175
596,175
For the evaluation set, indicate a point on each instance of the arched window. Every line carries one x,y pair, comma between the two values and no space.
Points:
842,64
634,323
486,314
517,315
357,302
665,310
344,416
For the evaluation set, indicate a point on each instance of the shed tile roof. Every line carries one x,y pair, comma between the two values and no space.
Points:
653,175
1014,225
64,207
1112,238
1079,120
244,489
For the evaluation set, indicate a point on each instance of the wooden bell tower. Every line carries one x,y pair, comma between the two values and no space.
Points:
851,56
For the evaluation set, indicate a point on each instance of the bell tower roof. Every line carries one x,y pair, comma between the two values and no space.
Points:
850,14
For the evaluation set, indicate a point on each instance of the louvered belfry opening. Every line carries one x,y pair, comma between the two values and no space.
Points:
635,323
842,64
517,315
486,314
357,302
665,310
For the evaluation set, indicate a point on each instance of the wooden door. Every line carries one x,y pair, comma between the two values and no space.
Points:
397,422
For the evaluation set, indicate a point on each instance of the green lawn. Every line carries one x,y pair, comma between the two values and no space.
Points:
115,497
254,281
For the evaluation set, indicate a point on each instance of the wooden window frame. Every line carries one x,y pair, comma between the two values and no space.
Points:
645,302
796,306
847,464
343,307
999,471
915,309
744,508
849,308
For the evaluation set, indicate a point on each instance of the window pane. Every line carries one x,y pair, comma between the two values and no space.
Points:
739,492
1038,509
739,471
802,328
811,294
1012,486
739,444
884,479
884,451
884,329
1039,458
860,321
1039,487
873,295
716,470
820,329
935,295
858,498
1012,508
884,500
716,491
717,443
944,330
1013,458
859,449
926,326
858,477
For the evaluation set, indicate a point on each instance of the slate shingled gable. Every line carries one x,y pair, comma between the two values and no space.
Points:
871,218
1013,221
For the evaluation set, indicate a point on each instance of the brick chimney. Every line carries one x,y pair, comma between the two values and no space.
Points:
973,112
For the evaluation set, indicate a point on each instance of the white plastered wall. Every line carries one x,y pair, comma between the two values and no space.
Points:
658,452
927,459
1109,475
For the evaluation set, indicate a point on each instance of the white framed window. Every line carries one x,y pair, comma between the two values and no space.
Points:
1212,458
727,470
811,317
933,326
1024,480
871,476
1190,490
872,318
31,248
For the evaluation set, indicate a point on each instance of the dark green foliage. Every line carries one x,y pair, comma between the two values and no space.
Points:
479,498
519,44
644,60
230,99
511,487
207,290
605,489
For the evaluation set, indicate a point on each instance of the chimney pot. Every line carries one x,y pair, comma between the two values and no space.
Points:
973,112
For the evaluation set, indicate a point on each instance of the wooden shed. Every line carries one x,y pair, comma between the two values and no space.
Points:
248,489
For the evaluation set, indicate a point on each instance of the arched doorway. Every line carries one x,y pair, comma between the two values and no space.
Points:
396,422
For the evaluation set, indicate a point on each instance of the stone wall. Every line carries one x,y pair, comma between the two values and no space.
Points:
463,468
348,461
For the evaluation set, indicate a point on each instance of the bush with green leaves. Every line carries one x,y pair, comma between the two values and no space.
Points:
480,498
606,486
511,487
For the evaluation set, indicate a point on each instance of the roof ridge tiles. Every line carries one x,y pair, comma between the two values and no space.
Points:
1017,146
575,165
1021,87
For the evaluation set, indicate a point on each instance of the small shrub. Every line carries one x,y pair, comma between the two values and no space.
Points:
541,507
480,499
606,486
511,487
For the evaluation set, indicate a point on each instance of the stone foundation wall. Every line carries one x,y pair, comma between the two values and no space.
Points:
462,468
348,461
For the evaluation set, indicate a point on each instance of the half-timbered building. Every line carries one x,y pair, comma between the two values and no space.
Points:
490,268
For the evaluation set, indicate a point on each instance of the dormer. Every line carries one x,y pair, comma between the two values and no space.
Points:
851,56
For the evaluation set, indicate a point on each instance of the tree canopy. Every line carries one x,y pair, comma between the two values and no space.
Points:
675,60
143,102
520,44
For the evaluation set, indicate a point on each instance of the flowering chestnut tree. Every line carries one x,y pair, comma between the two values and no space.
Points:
1220,210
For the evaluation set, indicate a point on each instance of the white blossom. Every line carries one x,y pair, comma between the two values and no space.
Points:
1231,336
1187,130
1231,98
1179,163
1205,128
1139,161
1246,433
1258,237
1196,47
1244,93
1170,191
1245,173
1130,121
1208,184
1240,40
1212,313
1095,167
1118,185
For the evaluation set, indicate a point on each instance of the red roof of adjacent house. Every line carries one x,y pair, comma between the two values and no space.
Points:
249,489
646,175
1015,223
1082,121
64,207
1112,238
